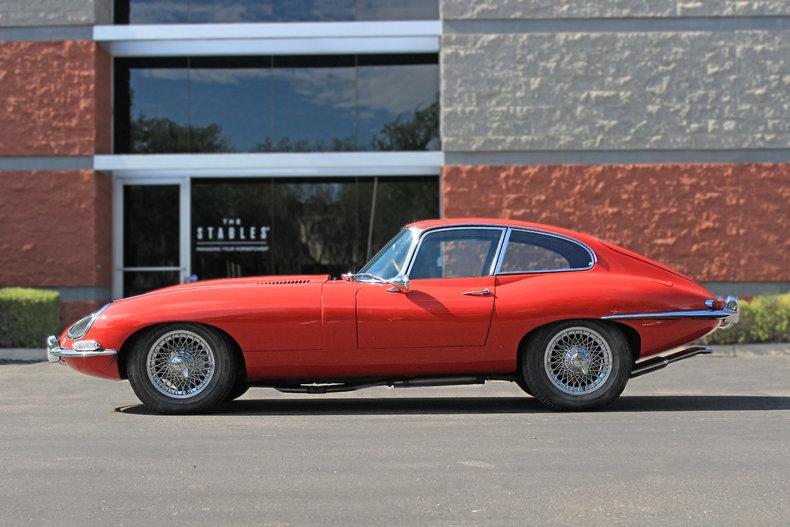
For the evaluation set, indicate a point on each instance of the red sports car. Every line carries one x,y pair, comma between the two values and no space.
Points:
568,317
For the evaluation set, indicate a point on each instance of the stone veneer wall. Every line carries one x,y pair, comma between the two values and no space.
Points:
547,104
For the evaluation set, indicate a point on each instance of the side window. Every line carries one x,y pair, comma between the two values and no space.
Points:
456,253
531,251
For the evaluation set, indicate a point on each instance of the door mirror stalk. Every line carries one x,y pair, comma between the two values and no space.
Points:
400,284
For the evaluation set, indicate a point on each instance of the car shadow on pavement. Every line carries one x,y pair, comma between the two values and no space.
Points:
481,405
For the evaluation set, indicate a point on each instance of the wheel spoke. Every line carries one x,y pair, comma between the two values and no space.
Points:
578,360
180,364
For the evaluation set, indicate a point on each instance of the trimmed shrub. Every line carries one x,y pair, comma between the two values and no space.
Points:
762,319
27,316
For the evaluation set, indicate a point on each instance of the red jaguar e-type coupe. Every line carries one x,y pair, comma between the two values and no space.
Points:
568,317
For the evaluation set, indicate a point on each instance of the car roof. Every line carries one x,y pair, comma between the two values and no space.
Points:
498,222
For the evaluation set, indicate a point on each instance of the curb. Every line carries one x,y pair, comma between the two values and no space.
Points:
23,354
777,349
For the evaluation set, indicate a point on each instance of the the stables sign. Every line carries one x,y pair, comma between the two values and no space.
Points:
232,235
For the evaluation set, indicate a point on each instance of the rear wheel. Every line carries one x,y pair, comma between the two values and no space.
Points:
181,368
239,389
577,365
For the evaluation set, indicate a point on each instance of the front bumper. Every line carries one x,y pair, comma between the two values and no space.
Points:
56,354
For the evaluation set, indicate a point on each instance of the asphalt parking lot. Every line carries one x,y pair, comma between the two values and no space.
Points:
706,441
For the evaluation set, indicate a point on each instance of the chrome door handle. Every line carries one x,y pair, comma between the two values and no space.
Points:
481,292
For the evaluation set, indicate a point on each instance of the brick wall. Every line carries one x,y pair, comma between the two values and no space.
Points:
714,222
55,98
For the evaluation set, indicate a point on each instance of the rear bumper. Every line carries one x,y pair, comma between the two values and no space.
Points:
728,313
56,354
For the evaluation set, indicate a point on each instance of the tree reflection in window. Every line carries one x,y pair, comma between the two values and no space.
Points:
228,105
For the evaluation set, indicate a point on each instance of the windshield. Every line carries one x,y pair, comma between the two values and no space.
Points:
390,260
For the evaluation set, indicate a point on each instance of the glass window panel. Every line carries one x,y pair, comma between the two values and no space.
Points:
398,201
230,110
150,226
231,227
301,104
313,10
139,282
313,105
223,11
397,10
318,226
158,102
151,11
455,253
398,103
530,251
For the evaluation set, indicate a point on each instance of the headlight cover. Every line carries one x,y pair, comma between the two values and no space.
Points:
81,327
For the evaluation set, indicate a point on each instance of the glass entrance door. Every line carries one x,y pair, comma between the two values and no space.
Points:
148,250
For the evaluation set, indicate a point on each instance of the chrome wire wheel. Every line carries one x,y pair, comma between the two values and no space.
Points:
180,364
578,360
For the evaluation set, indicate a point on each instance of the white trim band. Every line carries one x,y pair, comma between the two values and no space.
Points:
272,164
312,38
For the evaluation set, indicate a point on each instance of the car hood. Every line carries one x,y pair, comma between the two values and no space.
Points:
267,281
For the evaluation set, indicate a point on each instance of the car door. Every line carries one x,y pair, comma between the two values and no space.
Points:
450,299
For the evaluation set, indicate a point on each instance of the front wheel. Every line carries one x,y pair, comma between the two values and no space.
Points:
181,368
577,365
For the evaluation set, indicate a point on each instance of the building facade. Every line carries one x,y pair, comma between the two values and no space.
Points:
145,143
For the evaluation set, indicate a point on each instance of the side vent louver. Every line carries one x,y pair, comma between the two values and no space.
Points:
284,282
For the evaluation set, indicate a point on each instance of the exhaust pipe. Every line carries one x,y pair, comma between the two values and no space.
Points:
659,362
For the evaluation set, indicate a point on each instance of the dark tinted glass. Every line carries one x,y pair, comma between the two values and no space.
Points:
529,251
158,102
397,10
283,226
222,11
229,104
456,253
313,105
398,103
139,282
150,226
231,227
277,104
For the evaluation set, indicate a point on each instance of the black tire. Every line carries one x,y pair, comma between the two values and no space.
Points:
522,383
213,392
597,393
239,389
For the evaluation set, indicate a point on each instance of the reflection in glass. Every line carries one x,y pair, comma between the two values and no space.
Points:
230,95
223,11
390,261
313,105
139,282
231,227
398,103
277,104
455,253
150,226
301,226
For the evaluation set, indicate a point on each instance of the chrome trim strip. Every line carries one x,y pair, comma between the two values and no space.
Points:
593,256
712,314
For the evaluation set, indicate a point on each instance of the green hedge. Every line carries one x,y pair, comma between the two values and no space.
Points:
763,319
27,317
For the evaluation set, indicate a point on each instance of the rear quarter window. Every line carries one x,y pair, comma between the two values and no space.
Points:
528,252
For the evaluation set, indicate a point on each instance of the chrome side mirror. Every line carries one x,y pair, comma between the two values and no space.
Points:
400,284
